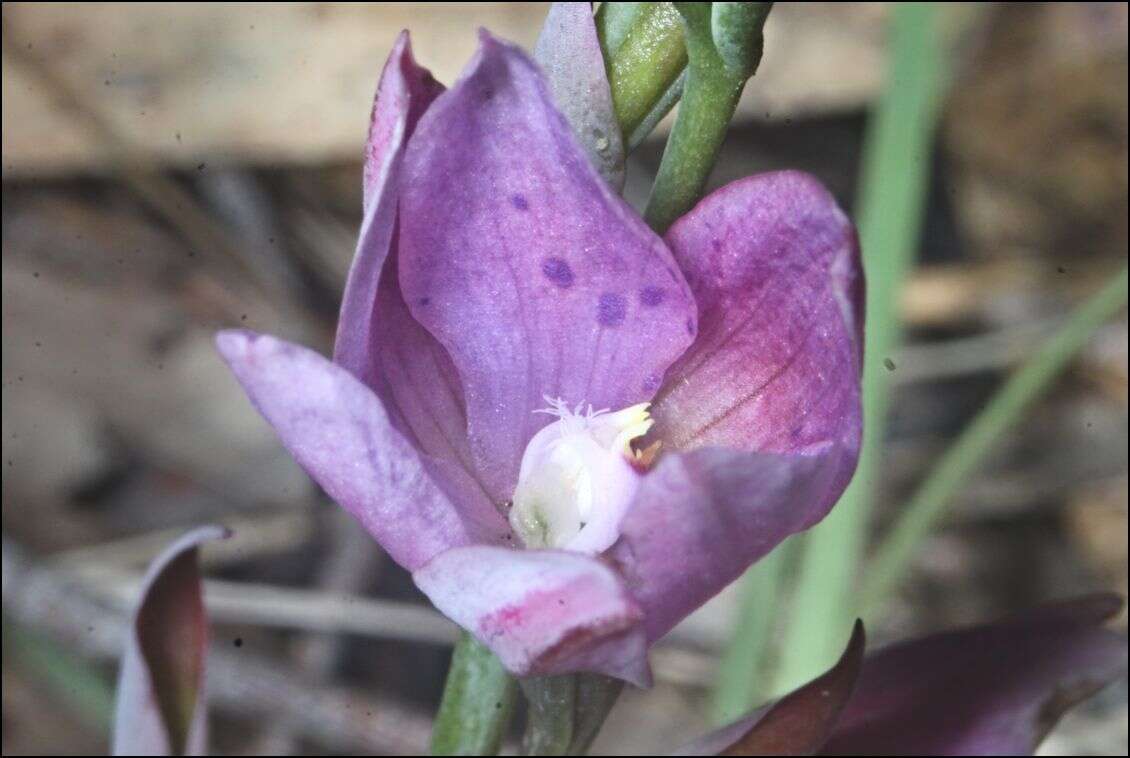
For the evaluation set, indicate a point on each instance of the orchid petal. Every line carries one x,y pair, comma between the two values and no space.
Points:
773,375
160,709
377,339
774,267
337,429
404,93
701,518
419,382
541,611
995,689
568,50
520,260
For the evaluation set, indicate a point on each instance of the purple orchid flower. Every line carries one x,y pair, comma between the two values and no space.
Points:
995,689
571,431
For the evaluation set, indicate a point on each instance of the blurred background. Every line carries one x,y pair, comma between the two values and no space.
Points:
171,169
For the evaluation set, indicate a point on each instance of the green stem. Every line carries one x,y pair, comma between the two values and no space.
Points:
644,64
710,96
892,196
478,700
966,454
550,720
566,712
596,694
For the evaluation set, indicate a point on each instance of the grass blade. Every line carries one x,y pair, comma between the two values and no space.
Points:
896,166
743,670
895,554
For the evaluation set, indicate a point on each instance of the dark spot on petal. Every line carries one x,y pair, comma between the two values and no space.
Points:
558,271
651,383
652,295
690,326
890,365
611,309
424,301
717,245
238,642
519,202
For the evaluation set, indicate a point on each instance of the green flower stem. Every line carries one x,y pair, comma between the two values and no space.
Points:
566,712
710,96
478,700
596,694
645,62
965,455
550,720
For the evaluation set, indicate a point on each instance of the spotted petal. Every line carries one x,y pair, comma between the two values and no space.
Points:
528,269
